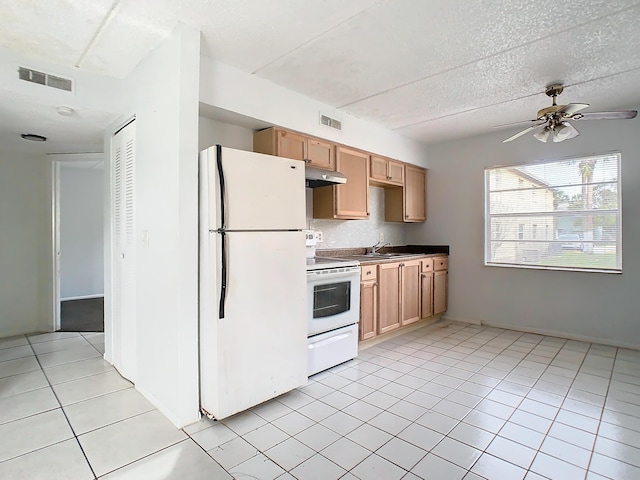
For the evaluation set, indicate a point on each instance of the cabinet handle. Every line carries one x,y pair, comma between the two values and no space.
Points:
367,214
406,216
369,272
388,177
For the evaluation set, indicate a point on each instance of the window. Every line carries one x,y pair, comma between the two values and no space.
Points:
569,209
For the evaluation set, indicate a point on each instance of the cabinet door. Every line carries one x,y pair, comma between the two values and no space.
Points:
410,292
388,297
352,198
440,280
395,172
291,145
368,309
320,154
415,201
379,168
426,294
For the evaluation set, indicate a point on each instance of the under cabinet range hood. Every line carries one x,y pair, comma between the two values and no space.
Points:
317,177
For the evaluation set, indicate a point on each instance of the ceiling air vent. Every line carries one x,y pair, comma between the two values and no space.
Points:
49,80
330,122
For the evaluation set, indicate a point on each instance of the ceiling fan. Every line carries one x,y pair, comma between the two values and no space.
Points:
553,121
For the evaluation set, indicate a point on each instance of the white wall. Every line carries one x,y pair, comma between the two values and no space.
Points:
212,132
162,92
225,87
598,307
26,291
81,230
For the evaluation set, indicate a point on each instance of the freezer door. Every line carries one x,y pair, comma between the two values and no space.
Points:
261,192
261,342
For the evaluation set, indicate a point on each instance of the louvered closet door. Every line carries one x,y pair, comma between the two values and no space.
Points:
123,258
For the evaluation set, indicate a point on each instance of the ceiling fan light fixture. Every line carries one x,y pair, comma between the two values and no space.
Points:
564,131
543,135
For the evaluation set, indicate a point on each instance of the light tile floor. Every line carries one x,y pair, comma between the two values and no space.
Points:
448,401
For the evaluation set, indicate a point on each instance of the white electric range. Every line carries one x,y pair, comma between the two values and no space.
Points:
333,311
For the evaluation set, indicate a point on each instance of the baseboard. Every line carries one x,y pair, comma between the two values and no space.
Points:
548,333
462,320
83,297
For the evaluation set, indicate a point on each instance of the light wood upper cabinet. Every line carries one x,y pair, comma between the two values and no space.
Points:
385,171
349,200
388,297
410,291
415,194
291,145
284,143
409,202
320,154
405,184
368,325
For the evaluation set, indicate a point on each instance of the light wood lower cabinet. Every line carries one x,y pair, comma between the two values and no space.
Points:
409,291
388,297
440,280
440,284
368,326
426,288
396,294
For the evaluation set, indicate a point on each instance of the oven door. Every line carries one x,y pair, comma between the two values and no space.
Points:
333,299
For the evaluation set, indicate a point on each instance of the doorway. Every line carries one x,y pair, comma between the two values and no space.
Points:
79,242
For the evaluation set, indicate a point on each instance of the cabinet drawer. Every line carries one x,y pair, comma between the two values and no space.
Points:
427,265
368,273
440,263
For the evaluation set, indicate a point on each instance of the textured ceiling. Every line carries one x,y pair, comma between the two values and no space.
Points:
431,70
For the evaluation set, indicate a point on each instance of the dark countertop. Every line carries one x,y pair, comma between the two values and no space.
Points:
410,250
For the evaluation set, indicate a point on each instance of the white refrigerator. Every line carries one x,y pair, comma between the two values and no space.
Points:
253,331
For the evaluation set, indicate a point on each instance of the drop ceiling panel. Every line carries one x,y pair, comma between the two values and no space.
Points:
517,73
397,43
55,30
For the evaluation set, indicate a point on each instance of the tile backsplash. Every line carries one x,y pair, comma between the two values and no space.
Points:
357,233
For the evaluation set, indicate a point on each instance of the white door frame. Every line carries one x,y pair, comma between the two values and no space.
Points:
57,160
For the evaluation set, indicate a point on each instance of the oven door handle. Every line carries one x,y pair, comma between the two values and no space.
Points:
329,277
328,341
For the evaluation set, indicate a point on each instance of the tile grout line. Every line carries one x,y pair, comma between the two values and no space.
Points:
63,411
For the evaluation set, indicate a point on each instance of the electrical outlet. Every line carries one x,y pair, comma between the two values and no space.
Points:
319,237
381,237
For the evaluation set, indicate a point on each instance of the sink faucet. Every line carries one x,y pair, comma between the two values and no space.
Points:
377,247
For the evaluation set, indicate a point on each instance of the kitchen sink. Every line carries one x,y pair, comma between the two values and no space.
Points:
370,256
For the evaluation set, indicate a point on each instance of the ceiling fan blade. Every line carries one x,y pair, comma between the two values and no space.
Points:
519,134
619,115
572,108
515,123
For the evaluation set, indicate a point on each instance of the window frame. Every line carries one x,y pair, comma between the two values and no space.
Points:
520,264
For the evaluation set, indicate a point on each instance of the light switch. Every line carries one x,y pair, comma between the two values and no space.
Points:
145,238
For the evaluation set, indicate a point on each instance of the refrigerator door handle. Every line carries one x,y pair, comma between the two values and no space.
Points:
221,231
223,281
223,220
